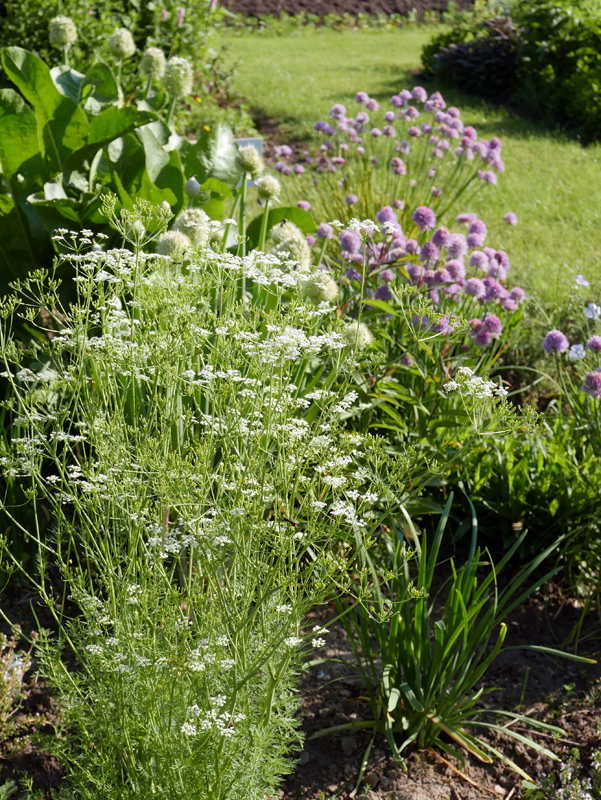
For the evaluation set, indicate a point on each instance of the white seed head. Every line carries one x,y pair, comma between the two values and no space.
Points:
192,187
320,288
152,63
62,31
249,161
174,244
358,335
195,223
178,77
121,44
294,250
269,188
286,230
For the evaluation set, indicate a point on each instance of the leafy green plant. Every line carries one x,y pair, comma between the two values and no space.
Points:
423,658
570,784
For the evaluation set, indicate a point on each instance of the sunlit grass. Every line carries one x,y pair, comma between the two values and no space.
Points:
552,184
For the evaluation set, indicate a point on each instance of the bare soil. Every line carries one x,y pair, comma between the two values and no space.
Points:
256,8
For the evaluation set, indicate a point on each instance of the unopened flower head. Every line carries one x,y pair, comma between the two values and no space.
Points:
62,32
173,243
121,44
249,161
268,187
178,78
358,335
152,63
192,187
195,223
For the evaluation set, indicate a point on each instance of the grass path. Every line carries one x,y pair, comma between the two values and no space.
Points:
553,185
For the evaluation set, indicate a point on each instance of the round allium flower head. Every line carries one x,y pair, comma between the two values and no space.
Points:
376,133
192,187
387,214
387,275
475,288
407,361
294,250
456,269
121,44
479,260
361,97
249,161
350,199
416,273
493,325
338,111
353,275
475,240
320,288
429,252
152,63
594,343
400,204
424,218
268,187
325,231
304,204
517,294
478,227
350,241
62,32
174,244
555,341
511,218
479,333
358,335
371,104
592,384
178,78
195,223
383,293
419,94
458,246
284,231
298,169
442,237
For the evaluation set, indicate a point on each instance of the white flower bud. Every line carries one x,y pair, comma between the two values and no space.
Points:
192,187
249,161
195,223
269,188
62,32
178,77
152,63
358,335
320,288
121,44
174,244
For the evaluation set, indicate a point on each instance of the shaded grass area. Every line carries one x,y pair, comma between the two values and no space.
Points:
551,183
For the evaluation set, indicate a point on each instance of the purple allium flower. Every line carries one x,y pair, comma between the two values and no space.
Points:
434,296
304,204
361,97
422,322
360,150
414,131
387,214
555,341
362,118
426,127
398,165
592,384
475,240
577,351
509,304
405,147
437,152
455,268
298,169
389,116
431,172
325,231
482,337
416,273
453,290
387,275
353,275
429,252
495,143
338,111
279,165
479,260
489,177
329,131
432,277
407,361
493,325
310,240
396,101
388,130
594,343
442,326
376,133
350,241
511,218
478,227
517,294
319,125
419,94
400,204
405,94
437,100
581,281
424,218
286,171
411,113
371,104
475,288
470,133
442,237
383,293
458,246
285,151
350,199
411,246
494,290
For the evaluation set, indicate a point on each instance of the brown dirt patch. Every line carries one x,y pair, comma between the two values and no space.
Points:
255,8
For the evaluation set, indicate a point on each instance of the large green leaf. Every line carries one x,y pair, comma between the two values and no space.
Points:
23,242
164,168
298,216
215,155
62,125
98,88
67,81
19,148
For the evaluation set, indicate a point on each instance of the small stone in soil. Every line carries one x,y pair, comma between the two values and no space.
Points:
348,744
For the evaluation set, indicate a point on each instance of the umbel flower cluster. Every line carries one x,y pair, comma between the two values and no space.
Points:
186,453
419,149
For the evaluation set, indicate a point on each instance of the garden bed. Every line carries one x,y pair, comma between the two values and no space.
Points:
256,8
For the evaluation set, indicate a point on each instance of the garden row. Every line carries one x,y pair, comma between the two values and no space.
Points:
217,419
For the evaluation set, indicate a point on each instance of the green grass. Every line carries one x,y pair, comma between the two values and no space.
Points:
552,184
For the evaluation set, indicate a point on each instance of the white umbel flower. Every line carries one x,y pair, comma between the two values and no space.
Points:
174,244
294,250
152,63
358,335
195,223
121,44
268,187
249,161
62,32
178,77
320,288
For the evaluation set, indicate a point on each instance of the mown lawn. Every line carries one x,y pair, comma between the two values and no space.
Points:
551,183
